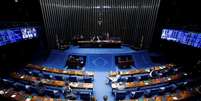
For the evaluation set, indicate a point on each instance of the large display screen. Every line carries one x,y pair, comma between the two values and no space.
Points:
183,37
13,35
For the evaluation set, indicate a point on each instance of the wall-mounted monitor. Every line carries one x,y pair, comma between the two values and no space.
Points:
12,35
183,37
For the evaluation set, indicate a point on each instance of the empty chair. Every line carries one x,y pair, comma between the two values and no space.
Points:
182,85
121,79
27,71
86,96
155,91
166,73
47,76
72,79
34,73
88,80
136,94
19,86
8,81
170,88
131,79
147,93
31,89
145,77
57,77
71,96
162,90
52,93
120,95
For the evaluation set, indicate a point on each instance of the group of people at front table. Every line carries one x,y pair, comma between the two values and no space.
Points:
93,37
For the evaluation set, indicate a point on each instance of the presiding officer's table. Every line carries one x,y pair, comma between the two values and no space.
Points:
100,44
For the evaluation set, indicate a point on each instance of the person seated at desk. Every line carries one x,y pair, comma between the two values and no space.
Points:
114,79
96,38
67,91
39,87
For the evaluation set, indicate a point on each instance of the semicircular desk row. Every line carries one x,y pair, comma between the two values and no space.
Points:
21,96
127,85
58,83
60,71
142,71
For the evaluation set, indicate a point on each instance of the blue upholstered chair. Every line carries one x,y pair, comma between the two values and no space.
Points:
147,93
52,93
155,91
58,77
86,96
131,79
19,86
72,79
47,76
35,73
136,94
120,95
145,77
88,80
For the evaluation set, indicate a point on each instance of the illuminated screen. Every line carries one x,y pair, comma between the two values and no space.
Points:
183,37
13,35
28,33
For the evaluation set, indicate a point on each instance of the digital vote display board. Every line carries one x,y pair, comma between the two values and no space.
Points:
183,37
12,35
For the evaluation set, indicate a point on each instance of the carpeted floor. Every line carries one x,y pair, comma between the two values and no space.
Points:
100,63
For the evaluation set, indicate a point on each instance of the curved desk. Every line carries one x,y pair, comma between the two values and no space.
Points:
59,71
76,85
181,95
12,95
21,96
141,71
145,83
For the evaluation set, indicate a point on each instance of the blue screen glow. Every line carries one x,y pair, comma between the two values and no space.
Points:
13,35
183,37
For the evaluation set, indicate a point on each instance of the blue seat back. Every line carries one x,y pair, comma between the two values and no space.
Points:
85,96
137,94
120,95
72,79
57,77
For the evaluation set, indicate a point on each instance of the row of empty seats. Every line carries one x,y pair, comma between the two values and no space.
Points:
156,82
43,83
141,71
61,71
71,78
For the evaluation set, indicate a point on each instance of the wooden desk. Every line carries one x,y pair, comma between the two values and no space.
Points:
100,44
76,85
141,71
181,95
21,96
59,71
147,83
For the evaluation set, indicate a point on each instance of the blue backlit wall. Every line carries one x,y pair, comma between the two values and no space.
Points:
183,37
12,35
